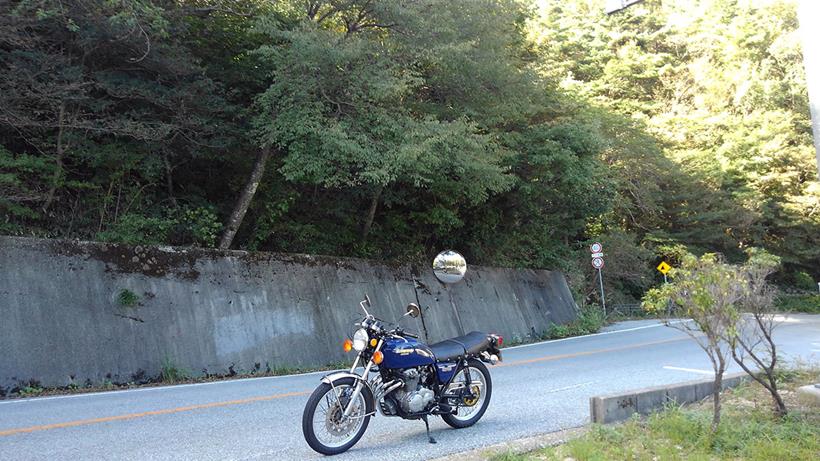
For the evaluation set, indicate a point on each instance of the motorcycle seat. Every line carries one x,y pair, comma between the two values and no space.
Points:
472,343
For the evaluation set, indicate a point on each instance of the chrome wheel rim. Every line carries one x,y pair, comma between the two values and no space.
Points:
330,425
478,384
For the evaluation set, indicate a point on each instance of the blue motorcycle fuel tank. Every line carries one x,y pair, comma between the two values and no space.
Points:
406,353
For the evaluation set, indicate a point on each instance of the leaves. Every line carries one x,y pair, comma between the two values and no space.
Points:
514,133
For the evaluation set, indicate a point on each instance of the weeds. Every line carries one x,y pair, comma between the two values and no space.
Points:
747,431
127,298
171,373
30,391
590,320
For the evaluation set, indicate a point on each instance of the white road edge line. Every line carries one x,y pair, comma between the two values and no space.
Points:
568,387
690,370
655,325
177,386
157,388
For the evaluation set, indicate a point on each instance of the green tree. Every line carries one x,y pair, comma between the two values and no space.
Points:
705,290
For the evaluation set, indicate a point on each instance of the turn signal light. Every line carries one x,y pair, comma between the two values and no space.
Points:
348,345
378,357
373,342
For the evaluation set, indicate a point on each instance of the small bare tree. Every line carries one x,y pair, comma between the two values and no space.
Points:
707,291
752,342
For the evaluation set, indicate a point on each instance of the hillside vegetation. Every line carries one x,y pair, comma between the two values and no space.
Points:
515,132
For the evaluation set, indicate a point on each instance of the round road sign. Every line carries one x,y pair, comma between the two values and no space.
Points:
596,247
597,263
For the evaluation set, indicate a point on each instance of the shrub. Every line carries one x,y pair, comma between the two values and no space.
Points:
804,281
200,226
809,303
127,298
136,229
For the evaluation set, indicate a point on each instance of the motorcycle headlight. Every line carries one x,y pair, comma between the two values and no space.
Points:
360,339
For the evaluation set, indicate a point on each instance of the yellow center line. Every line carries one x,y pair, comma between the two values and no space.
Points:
168,411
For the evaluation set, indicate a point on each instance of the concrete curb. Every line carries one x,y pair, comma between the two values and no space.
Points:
618,407
809,395
517,446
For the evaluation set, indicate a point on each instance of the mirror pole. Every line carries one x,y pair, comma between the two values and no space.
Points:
455,310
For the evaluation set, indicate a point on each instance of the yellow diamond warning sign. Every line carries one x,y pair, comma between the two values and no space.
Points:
663,267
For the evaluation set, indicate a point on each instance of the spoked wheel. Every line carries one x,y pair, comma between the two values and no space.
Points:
324,425
470,410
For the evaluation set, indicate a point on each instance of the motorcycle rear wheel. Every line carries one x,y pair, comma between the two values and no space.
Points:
478,374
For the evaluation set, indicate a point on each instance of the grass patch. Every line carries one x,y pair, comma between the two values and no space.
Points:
171,373
127,298
590,320
30,391
747,431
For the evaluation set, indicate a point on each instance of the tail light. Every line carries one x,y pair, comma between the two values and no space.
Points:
499,340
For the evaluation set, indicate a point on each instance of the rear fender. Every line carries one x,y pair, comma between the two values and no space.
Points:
493,353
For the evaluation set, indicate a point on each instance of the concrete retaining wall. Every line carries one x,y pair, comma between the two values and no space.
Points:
618,407
63,319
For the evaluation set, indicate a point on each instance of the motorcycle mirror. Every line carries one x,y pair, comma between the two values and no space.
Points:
449,266
413,310
366,301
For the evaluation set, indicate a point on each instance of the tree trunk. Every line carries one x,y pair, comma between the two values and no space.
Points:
59,160
779,405
245,198
374,203
169,179
716,397
769,383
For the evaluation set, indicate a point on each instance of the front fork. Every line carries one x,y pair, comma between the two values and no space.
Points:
362,381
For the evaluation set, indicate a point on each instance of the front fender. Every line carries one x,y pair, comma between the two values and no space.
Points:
333,377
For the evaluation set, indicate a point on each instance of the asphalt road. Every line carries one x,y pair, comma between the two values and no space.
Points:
539,388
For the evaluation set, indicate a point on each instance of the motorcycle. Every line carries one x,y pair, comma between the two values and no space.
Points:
410,380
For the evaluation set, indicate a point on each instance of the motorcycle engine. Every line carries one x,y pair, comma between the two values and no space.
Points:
413,396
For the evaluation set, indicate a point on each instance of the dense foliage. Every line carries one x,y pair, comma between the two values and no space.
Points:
516,133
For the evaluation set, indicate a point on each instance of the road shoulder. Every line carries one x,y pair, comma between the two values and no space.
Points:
517,446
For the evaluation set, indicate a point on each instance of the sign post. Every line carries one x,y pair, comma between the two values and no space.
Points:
597,253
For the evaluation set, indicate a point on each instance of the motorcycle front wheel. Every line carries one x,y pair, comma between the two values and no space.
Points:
324,425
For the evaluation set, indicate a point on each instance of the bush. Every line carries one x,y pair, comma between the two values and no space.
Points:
809,303
590,320
200,226
804,281
136,229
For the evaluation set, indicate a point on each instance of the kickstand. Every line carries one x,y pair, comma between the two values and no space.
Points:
427,425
